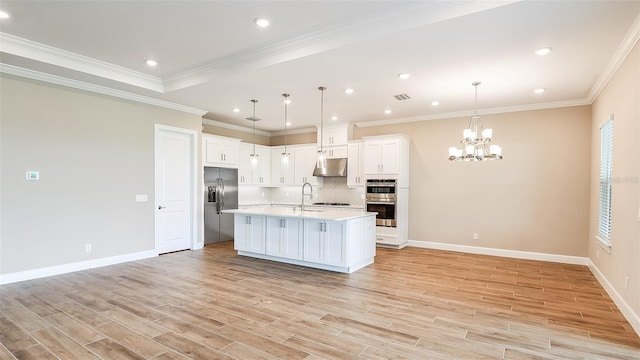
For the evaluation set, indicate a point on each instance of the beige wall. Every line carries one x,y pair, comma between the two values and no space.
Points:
244,136
305,138
536,199
621,98
94,154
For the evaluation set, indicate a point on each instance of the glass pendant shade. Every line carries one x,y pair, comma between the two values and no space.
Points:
284,158
253,158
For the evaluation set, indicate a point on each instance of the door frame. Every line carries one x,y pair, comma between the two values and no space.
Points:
158,129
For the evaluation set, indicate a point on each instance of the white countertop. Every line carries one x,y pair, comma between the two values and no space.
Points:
328,214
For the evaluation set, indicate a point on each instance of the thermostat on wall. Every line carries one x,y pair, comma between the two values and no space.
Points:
33,175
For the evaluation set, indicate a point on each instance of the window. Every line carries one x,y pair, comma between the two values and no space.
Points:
606,171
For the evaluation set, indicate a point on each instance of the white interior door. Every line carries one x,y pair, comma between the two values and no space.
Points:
174,189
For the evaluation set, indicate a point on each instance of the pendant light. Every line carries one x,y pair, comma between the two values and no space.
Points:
322,160
284,160
254,156
475,140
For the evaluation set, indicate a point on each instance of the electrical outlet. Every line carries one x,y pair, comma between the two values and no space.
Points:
263,194
626,282
87,247
475,236
286,194
362,196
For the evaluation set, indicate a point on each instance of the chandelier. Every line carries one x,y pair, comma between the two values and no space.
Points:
475,140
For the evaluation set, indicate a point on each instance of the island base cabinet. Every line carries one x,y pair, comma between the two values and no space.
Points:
249,233
284,238
324,242
342,245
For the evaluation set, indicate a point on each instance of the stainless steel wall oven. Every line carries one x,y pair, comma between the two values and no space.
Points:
381,198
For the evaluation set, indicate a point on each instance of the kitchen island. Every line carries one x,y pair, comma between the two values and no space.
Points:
335,240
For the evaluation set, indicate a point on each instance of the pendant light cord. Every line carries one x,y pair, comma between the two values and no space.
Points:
322,89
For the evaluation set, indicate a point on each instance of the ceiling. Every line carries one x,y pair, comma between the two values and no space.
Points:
212,58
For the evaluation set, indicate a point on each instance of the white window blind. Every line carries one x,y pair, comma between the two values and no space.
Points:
606,171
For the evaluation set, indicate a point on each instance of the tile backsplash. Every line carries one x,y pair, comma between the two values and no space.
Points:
334,189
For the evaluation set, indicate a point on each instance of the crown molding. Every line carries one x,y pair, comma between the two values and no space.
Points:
623,50
488,111
11,44
58,80
225,125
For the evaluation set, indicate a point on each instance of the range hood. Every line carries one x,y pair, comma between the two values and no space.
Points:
335,167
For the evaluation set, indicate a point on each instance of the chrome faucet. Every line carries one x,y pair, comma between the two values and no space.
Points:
310,194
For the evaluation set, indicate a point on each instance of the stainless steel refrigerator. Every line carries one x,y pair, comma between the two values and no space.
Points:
221,193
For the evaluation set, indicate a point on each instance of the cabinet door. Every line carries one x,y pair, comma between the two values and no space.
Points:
212,152
372,158
230,152
369,237
336,152
355,164
304,163
249,233
335,251
313,249
262,172
275,235
390,157
332,136
292,239
244,164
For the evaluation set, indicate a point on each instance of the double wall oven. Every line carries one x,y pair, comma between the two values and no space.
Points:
381,198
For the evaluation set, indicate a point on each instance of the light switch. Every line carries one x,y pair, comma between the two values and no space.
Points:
33,175
141,198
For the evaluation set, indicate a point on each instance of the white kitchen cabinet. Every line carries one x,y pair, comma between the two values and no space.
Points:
355,164
261,175
284,237
220,151
336,152
305,158
282,176
249,233
325,242
387,155
333,135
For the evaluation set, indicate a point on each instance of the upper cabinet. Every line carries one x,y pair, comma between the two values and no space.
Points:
355,164
261,174
387,155
282,173
305,158
220,151
333,135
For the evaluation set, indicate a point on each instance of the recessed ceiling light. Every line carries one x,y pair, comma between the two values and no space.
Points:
404,76
288,124
348,91
4,15
539,90
387,111
543,51
151,62
236,110
334,118
262,22
435,103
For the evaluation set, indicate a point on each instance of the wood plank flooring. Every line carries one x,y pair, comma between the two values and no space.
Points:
411,304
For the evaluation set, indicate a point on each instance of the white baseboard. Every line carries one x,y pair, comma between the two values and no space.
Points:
76,266
575,260
625,309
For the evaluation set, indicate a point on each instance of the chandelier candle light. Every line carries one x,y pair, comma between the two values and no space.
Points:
322,160
475,140
254,156
284,160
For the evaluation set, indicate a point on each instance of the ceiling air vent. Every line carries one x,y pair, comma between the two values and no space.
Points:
402,97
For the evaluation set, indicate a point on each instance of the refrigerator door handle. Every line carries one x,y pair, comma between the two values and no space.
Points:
221,182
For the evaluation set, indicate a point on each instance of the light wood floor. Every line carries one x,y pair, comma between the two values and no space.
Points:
411,304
